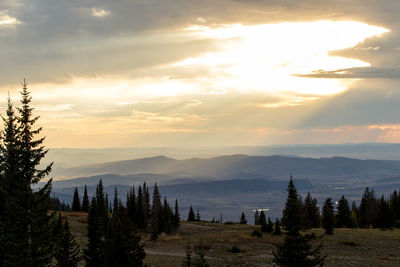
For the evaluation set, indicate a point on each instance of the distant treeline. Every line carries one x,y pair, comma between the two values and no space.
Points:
373,212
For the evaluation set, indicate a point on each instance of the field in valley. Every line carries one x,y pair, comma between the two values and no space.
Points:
347,247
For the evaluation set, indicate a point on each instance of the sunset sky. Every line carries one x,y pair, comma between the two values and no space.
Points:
127,73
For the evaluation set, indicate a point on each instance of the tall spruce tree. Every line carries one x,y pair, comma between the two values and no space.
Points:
277,230
191,217
368,209
85,201
94,255
256,218
156,214
270,226
177,217
131,206
26,227
243,219
311,213
68,253
141,220
354,215
328,217
343,214
263,222
122,243
76,203
296,249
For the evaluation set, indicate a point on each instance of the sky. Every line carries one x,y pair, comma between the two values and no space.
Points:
185,73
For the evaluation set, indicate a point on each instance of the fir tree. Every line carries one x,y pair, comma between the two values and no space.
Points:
116,201
198,215
292,213
177,217
344,213
76,203
296,249
146,204
94,254
386,217
256,218
68,254
328,217
277,230
187,262
26,228
243,219
102,205
140,209
263,222
191,217
166,217
199,260
156,214
311,217
270,226
122,243
85,201
368,209
354,216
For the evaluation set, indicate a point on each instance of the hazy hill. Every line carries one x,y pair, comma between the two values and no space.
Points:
240,165
72,157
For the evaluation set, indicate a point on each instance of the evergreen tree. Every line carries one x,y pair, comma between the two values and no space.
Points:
277,230
395,204
191,217
94,254
68,254
311,217
116,201
85,201
156,214
76,203
296,249
368,209
26,228
187,262
102,205
328,217
386,217
344,213
243,219
256,218
263,221
270,226
292,213
354,216
141,220
199,260
177,217
122,243
146,204
166,217
198,215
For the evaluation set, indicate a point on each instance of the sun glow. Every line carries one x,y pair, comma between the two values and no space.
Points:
267,57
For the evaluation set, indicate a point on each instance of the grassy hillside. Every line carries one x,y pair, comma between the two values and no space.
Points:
361,247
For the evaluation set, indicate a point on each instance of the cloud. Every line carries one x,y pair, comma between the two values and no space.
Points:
110,47
357,73
100,13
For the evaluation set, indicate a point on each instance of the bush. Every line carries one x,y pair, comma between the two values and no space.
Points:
234,249
256,233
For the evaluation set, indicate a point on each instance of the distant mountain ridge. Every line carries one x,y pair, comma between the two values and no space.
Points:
225,167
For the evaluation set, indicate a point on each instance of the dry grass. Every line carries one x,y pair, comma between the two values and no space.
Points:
347,247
